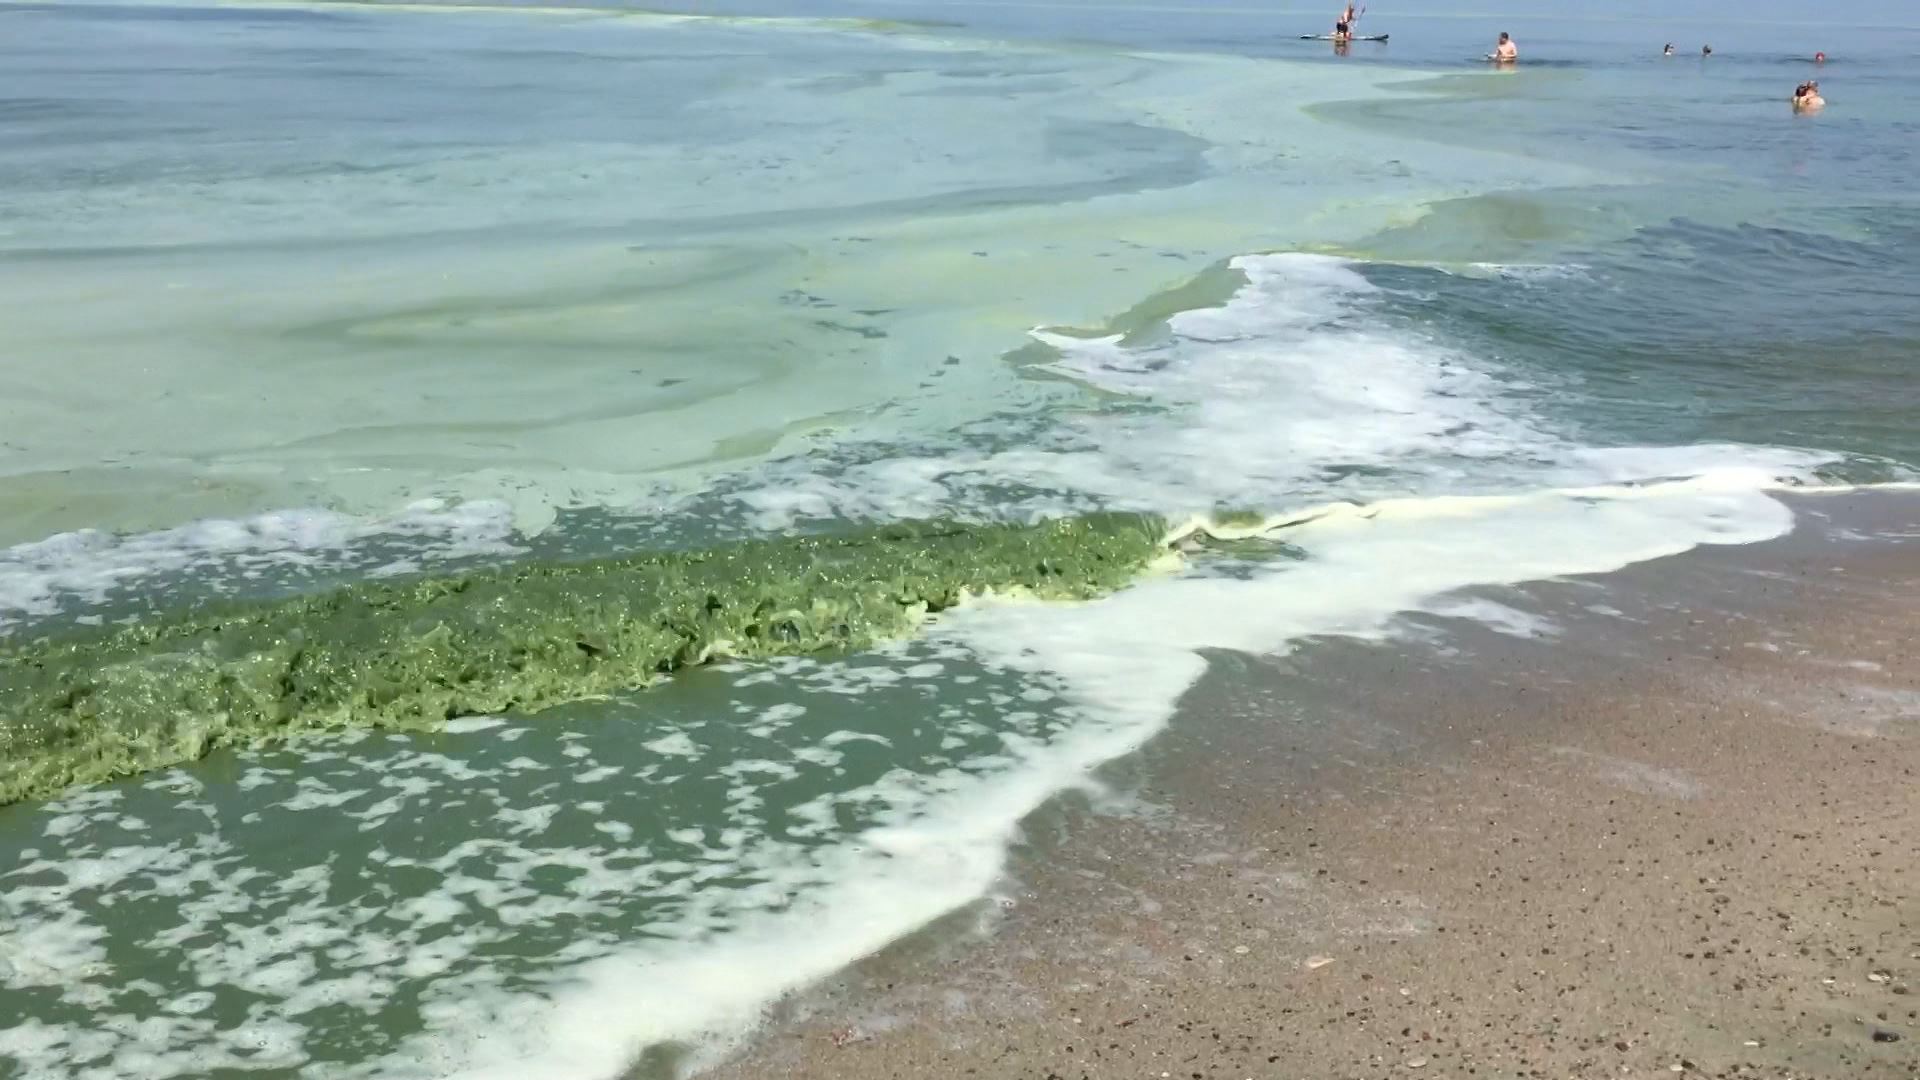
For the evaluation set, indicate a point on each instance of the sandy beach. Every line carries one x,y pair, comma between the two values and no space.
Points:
1661,822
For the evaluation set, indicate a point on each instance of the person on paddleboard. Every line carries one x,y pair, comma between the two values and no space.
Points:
1343,28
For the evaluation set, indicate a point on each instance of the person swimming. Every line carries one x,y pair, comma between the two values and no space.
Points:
1806,98
1706,50
1506,52
1819,58
1668,51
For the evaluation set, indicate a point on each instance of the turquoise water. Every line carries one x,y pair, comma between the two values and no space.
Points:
299,297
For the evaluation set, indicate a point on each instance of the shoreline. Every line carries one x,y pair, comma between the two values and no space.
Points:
1646,822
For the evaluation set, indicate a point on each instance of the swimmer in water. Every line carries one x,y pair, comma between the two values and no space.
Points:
1806,98
1819,58
1706,50
1668,51
1506,52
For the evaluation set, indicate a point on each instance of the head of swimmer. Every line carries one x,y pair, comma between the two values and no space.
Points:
1668,51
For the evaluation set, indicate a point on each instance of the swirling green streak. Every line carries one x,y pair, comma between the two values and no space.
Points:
414,654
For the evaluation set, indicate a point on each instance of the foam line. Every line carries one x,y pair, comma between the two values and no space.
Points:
1124,661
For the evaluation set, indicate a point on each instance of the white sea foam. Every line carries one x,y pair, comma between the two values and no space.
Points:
1288,391
1279,398
1529,272
1123,663
1640,464
714,955
1261,398
1498,616
1285,389
467,725
86,566
1294,390
678,744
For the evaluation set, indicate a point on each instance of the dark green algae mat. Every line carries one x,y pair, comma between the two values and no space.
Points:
84,706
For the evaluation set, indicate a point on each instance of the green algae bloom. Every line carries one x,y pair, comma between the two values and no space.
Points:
411,655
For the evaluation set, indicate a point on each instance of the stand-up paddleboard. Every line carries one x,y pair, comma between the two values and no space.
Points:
1356,37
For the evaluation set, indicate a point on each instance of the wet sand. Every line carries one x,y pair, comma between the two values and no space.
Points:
1661,822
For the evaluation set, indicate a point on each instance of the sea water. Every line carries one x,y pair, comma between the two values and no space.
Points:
398,299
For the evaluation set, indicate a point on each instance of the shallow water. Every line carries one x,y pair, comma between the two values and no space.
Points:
307,296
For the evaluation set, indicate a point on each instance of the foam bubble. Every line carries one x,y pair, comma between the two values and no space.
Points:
1529,273
1497,616
1640,464
678,744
